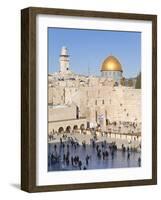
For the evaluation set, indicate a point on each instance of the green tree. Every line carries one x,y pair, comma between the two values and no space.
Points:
138,81
122,81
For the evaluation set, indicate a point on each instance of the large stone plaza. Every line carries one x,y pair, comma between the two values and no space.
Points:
90,110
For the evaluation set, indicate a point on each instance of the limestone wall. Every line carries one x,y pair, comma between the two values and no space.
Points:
62,112
96,98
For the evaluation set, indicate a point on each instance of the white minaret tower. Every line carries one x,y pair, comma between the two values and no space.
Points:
64,60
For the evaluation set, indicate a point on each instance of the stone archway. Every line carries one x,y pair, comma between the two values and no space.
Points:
68,129
61,130
75,127
82,127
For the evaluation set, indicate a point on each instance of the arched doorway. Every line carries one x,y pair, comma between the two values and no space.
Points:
82,127
68,129
61,130
75,127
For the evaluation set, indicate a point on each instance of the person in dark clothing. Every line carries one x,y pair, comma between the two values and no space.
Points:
55,147
87,159
80,164
139,161
128,156
72,160
106,153
112,154
124,149
93,144
99,153
103,155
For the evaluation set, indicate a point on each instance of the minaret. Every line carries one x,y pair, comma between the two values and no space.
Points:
64,60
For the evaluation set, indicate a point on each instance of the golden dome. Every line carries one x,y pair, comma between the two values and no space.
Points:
111,64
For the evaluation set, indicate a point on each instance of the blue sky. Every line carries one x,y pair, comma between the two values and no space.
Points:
88,49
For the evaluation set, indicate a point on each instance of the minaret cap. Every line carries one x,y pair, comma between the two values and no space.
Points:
64,51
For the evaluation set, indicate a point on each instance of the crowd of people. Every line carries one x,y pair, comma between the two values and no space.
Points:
124,127
65,154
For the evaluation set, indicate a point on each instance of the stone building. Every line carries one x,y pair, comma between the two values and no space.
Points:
78,101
